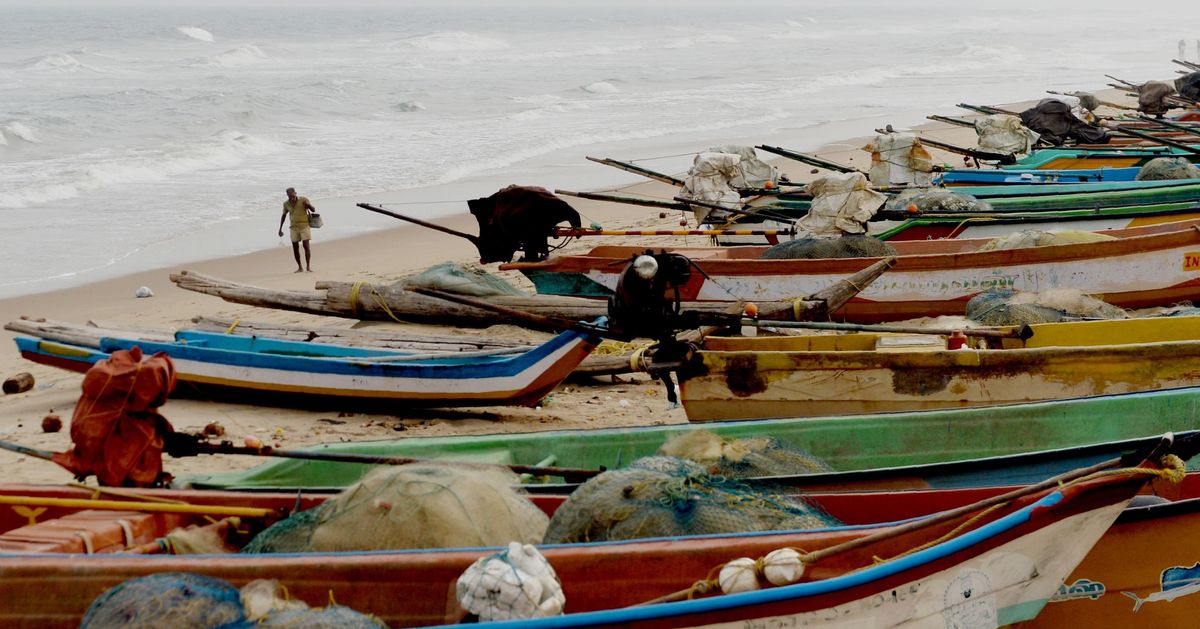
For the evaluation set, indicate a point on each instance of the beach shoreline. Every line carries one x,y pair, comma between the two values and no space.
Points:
381,256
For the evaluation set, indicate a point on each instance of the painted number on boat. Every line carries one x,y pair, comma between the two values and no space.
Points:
1191,261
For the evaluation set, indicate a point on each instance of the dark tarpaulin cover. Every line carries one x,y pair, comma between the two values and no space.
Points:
1188,86
1054,122
518,218
116,429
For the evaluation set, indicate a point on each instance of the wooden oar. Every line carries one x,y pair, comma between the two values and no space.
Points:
616,198
1023,332
1158,140
811,160
638,170
574,232
1172,125
958,122
986,109
145,507
434,226
186,448
765,211
1187,64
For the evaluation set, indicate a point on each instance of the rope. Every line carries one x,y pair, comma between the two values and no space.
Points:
635,359
354,291
951,534
610,347
232,326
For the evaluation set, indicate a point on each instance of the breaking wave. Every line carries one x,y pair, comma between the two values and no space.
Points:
195,32
454,41
223,150
600,87
245,55
17,131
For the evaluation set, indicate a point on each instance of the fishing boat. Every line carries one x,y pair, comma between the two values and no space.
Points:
813,376
269,370
1146,266
993,176
950,448
950,553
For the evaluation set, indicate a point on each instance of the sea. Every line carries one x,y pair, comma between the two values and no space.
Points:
137,135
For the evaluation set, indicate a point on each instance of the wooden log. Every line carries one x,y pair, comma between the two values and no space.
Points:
360,300
19,383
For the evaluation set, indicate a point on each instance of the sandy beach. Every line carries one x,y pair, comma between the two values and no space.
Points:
378,257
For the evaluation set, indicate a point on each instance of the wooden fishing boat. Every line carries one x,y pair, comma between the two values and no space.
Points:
993,176
1146,266
968,447
813,376
305,373
1117,157
1008,553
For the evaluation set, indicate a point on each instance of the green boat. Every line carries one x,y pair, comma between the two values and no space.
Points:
847,444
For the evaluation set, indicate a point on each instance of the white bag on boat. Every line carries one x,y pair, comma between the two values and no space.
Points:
842,204
899,159
708,181
1004,133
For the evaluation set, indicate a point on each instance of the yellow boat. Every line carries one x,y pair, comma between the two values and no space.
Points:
815,376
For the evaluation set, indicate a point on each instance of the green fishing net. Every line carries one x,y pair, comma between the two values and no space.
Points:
1007,307
667,497
848,246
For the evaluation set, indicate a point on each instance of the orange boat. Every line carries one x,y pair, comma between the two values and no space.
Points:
56,557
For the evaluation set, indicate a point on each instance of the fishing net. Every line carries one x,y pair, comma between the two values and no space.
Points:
1161,168
332,617
667,497
289,535
742,458
413,506
847,246
1039,238
1006,307
178,600
462,279
935,200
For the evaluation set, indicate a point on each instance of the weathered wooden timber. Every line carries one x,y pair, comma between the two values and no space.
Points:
363,300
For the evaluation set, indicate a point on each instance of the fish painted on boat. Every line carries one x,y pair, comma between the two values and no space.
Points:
1176,581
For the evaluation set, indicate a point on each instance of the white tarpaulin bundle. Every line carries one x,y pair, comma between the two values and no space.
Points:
752,171
899,159
709,181
842,204
1004,133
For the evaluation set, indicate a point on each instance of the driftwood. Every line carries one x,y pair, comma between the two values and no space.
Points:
361,300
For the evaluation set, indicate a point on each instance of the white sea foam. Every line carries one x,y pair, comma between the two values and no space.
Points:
600,87
196,33
455,41
244,55
17,131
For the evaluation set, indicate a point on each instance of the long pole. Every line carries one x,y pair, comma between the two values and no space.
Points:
571,232
434,226
1022,332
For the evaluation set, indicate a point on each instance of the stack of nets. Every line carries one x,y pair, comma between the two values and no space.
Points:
935,200
1162,168
182,600
1006,307
742,458
848,246
425,505
668,497
1039,238
462,279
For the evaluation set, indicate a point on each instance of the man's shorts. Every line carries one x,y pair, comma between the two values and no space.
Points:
300,234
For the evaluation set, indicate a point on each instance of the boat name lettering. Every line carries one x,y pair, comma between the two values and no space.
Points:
820,617
1081,588
1191,261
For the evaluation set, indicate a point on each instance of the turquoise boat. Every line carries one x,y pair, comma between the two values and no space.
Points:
846,443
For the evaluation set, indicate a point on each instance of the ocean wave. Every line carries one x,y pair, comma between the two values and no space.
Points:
56,62
454,41
409,105
17,131
700,40
244,55
195,32
593,51
97,171
600,87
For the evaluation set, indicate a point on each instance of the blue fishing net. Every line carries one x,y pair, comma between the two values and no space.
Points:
332,617
179,600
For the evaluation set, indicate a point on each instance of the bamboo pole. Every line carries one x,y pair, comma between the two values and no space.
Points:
638,170
145,507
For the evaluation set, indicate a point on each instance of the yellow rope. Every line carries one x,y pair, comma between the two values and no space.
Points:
635,359
383,305
796,303
232,326
354,291
609,347
951,534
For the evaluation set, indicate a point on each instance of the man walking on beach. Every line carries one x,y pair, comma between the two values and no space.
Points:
298,208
